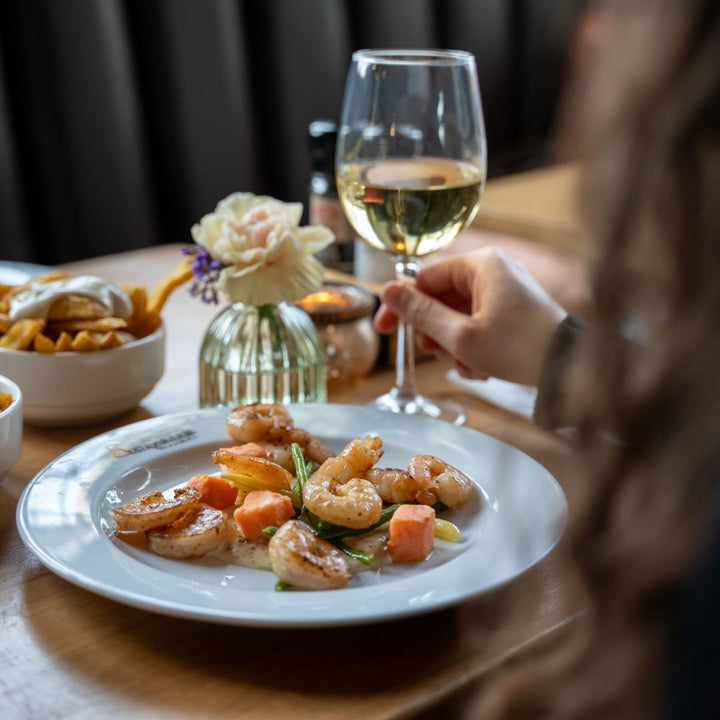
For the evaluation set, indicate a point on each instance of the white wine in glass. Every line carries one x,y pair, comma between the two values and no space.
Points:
411,164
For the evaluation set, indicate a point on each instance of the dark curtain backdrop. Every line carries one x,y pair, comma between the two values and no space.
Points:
122,122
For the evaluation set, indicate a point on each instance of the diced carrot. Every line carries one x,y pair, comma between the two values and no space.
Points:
411,533
261,509
215,491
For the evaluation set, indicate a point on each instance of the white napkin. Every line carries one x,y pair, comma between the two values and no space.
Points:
518,399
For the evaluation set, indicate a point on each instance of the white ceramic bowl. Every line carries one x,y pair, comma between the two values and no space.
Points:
76,388
11,422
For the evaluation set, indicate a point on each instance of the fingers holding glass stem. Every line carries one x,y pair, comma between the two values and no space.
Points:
404,396
482,310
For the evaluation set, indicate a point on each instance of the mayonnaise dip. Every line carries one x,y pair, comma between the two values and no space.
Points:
36,300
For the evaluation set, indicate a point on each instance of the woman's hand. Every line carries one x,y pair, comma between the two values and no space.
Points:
482,310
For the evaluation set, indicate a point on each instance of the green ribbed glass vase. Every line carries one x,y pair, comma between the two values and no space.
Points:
266,353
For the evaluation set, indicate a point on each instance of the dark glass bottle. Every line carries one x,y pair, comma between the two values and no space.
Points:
324,206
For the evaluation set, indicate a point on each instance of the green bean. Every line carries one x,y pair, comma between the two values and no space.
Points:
338,533
363,557
301,473
300,468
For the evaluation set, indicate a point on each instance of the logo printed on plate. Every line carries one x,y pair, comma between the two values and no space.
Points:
176,438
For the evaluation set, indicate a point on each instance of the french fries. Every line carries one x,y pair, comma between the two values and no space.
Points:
98,324
180,275
77,307
77,323
21,334
43,344
64,342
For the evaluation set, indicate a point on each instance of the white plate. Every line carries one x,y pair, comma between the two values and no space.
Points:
65,517
16,273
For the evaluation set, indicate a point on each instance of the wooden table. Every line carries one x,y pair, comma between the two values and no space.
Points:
539,205
67,653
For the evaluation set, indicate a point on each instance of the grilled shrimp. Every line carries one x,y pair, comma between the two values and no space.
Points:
399,486
279,454
449,485
154,510
265,423
269,473
312,448
306,562
252,423
337,491
202,531
426,480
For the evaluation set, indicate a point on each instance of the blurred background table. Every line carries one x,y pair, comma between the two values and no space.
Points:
537,205
67,653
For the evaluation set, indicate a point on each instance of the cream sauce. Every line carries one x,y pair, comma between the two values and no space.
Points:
256,555
35,301
253,555
375,543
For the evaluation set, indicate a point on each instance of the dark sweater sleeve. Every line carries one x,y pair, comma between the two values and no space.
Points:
548,413
693,685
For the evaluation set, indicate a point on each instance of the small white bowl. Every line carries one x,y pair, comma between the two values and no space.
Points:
11,422
79,388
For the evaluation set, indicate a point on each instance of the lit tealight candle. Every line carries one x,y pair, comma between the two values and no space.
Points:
343,316
325,300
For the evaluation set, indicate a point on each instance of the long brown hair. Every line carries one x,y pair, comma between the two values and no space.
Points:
649,373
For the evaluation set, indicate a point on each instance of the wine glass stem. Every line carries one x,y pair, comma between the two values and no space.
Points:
405,387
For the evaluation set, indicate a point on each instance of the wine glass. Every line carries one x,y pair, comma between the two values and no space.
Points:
411,162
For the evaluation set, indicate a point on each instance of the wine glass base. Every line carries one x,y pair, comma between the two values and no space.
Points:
446,410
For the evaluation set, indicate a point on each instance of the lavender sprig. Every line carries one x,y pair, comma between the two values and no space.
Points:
206,270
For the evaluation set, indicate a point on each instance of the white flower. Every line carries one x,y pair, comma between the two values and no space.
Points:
269,257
